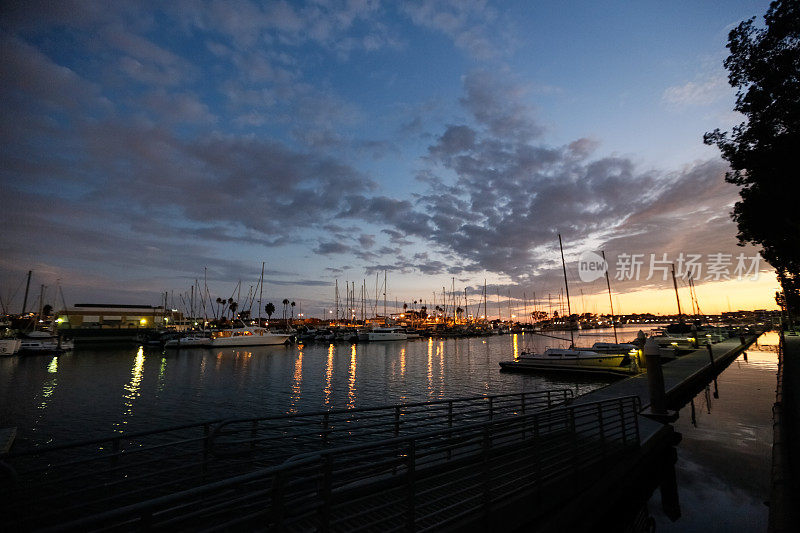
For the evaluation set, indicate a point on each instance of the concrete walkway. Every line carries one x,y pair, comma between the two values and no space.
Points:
783,514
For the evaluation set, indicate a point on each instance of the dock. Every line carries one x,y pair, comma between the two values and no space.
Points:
540,460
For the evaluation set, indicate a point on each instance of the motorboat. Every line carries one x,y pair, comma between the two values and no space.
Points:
9,346
44,342
247,336
387,334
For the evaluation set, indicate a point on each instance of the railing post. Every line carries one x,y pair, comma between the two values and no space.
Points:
450,414
278,484
602,429
623,424
324,512
206,447
411,518
397,420
449,425
486,471
114,460
574,440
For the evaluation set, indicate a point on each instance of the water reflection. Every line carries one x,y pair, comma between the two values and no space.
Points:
162,374
132,389
297,382
107,388
430,367
515,344
328,375
724,457
50,383
351,379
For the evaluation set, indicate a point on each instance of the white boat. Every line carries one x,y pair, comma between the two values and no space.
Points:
246,336
44,342
188,341
575,360
387,334
9,346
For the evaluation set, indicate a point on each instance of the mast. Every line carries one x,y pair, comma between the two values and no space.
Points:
678,298
27,288
525,305
485,308
384,297
610,301
566,287
260,292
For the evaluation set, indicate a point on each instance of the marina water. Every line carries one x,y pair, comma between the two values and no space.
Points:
97,391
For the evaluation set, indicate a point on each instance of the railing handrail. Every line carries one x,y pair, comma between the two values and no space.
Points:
139,509
461,427
286,416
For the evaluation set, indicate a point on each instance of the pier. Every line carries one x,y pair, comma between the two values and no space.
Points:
507,460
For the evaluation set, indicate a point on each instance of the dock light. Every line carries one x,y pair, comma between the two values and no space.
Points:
143,322
60,320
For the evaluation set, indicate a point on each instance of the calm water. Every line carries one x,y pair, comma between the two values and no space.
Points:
93,392
724,459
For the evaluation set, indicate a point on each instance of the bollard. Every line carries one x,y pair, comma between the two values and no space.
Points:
655,377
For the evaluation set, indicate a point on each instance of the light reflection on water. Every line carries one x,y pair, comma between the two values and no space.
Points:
103,390
351,380
132,391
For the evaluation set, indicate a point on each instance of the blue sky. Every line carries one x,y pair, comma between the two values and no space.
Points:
146,142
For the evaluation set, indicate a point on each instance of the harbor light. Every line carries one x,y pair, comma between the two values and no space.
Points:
143,322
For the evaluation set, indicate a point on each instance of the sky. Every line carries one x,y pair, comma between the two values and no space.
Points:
147,145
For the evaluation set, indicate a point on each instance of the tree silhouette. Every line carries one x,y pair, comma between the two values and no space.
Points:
269,309
233,306
764,67
285,310
292,304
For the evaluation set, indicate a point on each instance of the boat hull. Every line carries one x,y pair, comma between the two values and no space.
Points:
250,340
393,336
9,346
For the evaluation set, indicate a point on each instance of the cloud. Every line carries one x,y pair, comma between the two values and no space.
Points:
496,199
466,22
697,93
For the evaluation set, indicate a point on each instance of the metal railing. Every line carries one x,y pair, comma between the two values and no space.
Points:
430,480
58,483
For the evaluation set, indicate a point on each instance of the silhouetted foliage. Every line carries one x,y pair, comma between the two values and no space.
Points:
764,67
269,309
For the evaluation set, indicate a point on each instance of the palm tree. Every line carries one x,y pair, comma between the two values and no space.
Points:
285,311
269,309
219,302
233,306
292,304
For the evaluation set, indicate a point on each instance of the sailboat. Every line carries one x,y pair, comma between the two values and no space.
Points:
608,358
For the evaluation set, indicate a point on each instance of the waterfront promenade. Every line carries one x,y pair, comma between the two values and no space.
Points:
786,446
